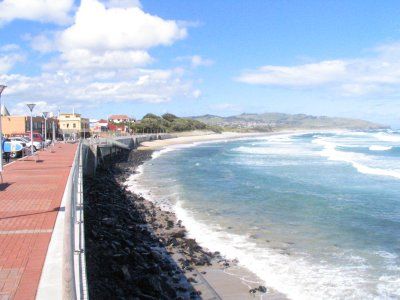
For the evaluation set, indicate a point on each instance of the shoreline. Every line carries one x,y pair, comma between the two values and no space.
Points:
139,251
232,281
211,274
195,137
206,275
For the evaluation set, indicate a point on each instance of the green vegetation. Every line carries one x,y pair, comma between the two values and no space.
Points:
170,123
277,121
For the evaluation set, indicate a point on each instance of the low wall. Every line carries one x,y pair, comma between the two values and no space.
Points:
95,151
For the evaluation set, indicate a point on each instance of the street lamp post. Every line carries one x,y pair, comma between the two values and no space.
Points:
54,131
31,106
2,87
45,115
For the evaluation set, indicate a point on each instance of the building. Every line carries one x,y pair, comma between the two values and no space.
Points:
19,125
73,125
118,128
100,126
117,119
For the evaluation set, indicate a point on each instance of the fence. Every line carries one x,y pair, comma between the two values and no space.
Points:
74,259
74,279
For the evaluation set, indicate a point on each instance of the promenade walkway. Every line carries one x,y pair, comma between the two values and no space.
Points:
30,198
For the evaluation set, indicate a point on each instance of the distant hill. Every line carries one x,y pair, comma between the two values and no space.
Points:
271,121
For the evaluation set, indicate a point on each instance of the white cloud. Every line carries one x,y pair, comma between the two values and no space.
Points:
113,35
9,48
377,73
123,3
303,75
43,43
47,11
7,62
196,60
196,94
97,28
74,88
9,56
100,58
84,59
41,106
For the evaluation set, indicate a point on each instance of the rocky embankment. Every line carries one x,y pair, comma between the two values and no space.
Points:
135,250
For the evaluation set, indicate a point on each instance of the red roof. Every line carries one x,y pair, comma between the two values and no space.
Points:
102,121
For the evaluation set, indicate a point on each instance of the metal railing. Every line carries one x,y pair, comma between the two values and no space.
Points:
74,259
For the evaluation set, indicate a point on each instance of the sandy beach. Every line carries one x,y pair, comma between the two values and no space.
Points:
198,136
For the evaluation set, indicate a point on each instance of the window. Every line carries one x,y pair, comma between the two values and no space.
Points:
74,125
67,125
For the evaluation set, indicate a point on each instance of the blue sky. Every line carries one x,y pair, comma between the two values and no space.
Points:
335,58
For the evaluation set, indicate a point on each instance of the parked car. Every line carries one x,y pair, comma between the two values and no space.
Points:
37,137
16,148
36,145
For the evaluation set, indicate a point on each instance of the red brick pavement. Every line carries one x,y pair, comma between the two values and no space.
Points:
29,201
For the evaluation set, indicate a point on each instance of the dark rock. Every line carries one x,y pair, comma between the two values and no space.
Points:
179,233
262,289
253,291
125,272
127,241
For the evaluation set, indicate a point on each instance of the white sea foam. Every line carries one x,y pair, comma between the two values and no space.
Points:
379,148
157,154
270,150
293,276
277,148
387,137
134,184
357,160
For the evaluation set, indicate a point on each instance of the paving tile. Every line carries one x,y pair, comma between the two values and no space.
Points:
29,201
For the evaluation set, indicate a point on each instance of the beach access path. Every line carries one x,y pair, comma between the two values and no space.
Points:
30,198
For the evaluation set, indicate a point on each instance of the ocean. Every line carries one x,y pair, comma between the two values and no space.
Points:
316,215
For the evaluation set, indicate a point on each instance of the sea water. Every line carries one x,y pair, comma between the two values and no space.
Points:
314,215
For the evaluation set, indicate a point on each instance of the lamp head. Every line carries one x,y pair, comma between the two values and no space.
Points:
2,87
45,114
31,106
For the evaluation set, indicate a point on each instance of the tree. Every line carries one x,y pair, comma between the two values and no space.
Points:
169,117
150,116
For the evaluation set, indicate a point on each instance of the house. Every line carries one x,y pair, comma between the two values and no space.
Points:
118,119
73,125
117,127
100,126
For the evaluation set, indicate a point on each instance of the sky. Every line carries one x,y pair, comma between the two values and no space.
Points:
102,57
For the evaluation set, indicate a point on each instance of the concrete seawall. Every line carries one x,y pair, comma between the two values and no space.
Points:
96,151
